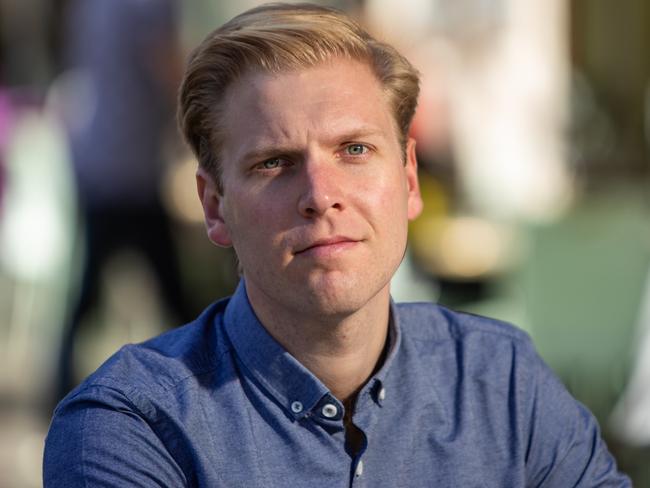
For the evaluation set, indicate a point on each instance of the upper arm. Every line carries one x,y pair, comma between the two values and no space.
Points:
565,447
99,438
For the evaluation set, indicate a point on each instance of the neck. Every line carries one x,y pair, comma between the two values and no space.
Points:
343,351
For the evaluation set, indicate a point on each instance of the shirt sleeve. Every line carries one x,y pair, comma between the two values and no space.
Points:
565,448
99,438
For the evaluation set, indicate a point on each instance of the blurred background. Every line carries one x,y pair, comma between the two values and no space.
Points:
533,134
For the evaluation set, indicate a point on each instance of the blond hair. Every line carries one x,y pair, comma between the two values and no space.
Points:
281,37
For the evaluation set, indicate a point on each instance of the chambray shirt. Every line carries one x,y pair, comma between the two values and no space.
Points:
460,401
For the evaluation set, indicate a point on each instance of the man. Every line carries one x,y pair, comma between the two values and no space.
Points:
309,375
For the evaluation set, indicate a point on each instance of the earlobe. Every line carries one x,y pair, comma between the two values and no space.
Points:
212,202
414,198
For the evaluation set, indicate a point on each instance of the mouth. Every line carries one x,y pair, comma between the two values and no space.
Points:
327,246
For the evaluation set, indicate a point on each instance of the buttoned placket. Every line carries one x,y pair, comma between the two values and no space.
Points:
369,405
357,479
368,411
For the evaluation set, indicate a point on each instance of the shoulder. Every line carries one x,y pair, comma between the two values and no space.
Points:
488,371
156,368
432,323
131,410
469,349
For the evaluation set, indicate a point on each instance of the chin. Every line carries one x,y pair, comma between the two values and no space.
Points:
337,296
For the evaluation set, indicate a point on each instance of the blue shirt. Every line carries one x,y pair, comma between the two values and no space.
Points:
460,401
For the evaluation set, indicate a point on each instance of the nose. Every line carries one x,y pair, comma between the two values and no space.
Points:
322,189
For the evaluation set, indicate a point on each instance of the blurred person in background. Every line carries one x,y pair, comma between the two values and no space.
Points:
5,120
310,375
124,66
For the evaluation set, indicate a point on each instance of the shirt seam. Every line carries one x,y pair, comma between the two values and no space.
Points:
115,383
515,333
522,342
214,367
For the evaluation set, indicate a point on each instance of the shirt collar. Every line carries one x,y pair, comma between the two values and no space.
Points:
375,387
394,341
289,382
292,385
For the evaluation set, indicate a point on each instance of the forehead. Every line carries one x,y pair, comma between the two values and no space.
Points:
315,104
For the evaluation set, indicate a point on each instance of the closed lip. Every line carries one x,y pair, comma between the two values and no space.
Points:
328,241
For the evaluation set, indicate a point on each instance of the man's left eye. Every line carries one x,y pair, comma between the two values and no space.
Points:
356,149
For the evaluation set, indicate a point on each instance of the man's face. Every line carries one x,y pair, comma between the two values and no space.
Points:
316,194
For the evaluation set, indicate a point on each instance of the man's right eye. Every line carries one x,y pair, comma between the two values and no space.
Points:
271,163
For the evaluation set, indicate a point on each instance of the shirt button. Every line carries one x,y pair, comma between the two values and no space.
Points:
359,471
296,407
382,394
329,410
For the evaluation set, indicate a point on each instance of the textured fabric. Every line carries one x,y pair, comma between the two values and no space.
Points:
460,401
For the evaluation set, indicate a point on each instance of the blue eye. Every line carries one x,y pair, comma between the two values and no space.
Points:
356,149
271,163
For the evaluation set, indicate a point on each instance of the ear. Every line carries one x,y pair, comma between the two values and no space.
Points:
411,168
212,202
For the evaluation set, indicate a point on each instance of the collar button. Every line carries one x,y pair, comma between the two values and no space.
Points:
382,394
329,410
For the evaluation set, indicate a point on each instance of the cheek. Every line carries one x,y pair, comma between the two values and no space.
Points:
254,222
387,199
394,217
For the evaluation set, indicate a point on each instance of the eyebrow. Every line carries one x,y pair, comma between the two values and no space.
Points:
361,133
267,152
